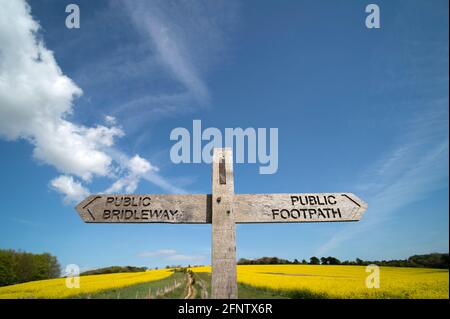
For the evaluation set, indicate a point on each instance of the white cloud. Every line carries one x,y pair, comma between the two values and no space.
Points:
170,255
111,120
180,257
36,98
36,101
158,253
136,168
72,190
74,149
139,165
150,175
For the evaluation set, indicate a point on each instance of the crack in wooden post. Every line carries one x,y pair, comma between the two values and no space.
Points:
224,278
222,171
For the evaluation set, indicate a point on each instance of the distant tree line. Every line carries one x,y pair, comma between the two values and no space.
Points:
264,261
17,267
434,260
180,266
113,269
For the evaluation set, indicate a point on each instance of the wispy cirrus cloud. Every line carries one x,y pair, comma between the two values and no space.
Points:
413,170
149,18
183,41
26,222
164,60
415,167
187,36
151,174
171,255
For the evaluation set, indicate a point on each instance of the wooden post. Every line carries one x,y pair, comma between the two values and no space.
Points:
223,209
224,279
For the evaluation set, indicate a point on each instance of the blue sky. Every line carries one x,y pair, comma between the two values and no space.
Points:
358,110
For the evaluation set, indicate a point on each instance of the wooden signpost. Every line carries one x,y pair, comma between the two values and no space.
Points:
223,209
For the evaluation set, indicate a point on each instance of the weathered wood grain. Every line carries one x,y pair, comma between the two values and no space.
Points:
298,208
146,208
248,208
224,278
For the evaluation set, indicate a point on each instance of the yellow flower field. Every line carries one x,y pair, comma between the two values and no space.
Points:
293,280
56,288
345,281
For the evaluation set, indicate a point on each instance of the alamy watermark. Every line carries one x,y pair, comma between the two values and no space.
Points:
373,19
260,147
72,273
73,19
373,279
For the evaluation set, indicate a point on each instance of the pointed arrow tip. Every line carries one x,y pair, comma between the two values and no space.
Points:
83,210
80,205
363,205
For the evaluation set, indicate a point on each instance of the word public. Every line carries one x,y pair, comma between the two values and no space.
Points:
309,213
118,212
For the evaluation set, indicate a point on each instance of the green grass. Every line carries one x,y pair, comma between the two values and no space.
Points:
249,292
178,293
202,286
202,280
244,291
143,290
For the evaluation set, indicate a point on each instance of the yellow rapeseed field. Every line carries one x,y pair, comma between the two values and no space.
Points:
345,281
56,288
291,280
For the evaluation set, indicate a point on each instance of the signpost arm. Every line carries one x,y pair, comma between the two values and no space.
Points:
224,279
